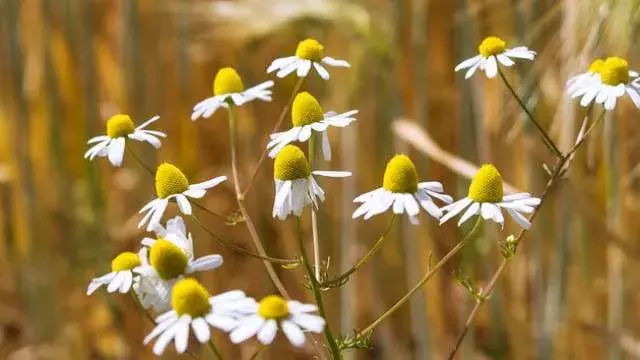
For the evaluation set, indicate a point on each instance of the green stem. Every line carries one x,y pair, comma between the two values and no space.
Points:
472,234
214,349
276,127
139,160
363,260
241,250
545,137
314,215
333,345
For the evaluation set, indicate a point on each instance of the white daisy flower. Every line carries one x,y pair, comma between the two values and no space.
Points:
171,183
119,128
121,277
401,191
605,82
228,88
263,320
307,116
493,50
295,184
309,53
486,199
193,308
169,259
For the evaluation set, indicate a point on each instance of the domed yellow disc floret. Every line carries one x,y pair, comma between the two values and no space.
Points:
273,307
614,71
170,181
189,297
492,45
596,66
167,259
227,81
400,176
305,110
125,261
310,49
291,164
119,125
486,186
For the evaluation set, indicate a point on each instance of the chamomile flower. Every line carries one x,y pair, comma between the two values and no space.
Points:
121,276
228,89
119,128
295,184
493,50
307,116
309,53
486,198
605,82
165,261
192,308
171,183
401,191
272,313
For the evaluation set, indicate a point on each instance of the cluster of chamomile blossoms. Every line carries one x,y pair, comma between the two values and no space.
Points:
161,274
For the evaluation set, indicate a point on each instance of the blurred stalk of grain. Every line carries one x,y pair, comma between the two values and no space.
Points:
66,66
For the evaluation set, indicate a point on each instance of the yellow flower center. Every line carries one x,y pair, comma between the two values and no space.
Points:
400,176
170,181
291,164
492,45
189,297
273,307
167,259
125,261
227,81
614,71
305,110
486,186
596,66
120,125
310,49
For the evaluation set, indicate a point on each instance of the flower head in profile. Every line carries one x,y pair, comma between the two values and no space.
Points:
402,192
306,117
604,83
309,53
491,51
264,318
120,127
486,198
228,89
122,275
295,184
192,308
171,183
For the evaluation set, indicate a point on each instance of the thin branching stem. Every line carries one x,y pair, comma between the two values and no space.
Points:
214,349
363,260
241,250
317,294
558,173
545,137
314,215
472,234
245,214
276,127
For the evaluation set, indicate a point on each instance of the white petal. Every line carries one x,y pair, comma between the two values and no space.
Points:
195,193
160,328
523,221
248,327
324,74
293,333
334,62
288,69
116,151
165,338
224,323
127,280
333,174
454,209
182,333
303,69
326,147
468,63
205,263
309,322
183,204
209,183
504,60
472,210
148,122
201,329
491,68
411,205
268,332
115,283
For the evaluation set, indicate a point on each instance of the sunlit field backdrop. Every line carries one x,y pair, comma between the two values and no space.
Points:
67,65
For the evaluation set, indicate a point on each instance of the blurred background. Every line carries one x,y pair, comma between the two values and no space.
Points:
66,66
